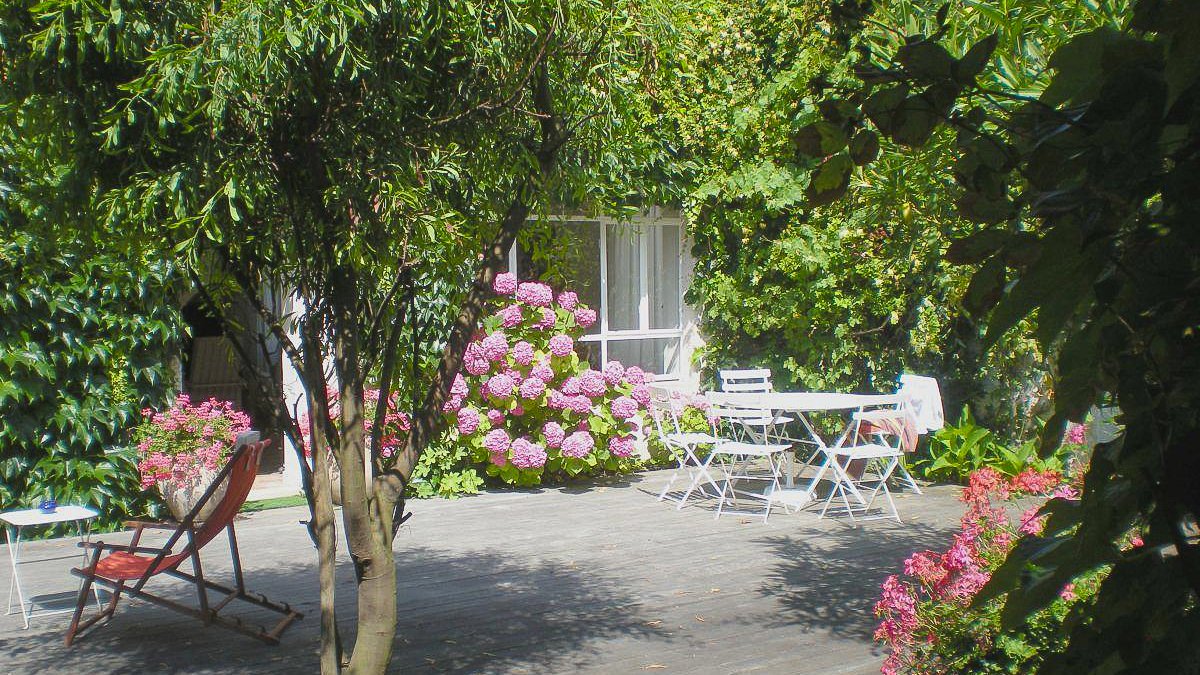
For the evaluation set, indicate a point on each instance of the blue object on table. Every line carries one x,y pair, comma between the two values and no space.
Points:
48,505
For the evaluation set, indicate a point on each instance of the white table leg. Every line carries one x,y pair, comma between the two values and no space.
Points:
85,535
14,557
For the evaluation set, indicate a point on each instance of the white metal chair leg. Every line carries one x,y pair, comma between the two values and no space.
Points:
909,479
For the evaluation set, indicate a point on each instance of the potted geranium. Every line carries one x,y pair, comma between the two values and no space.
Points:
181,449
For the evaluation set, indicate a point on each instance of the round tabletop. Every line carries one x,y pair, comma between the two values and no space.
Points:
804,401
62,514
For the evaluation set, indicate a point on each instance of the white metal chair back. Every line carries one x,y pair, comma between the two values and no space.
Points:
763,425
751,381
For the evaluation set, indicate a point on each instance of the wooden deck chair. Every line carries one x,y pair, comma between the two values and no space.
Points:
127,568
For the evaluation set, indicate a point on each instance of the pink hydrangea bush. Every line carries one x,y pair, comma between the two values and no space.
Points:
187,442
528,407
927,621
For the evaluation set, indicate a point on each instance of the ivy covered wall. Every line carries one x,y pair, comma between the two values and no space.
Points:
86,341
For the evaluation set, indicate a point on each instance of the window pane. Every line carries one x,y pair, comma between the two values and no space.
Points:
624,272
581,263
664,276
657,355
590,352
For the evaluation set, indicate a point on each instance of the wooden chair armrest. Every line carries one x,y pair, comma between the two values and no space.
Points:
118,547
155,524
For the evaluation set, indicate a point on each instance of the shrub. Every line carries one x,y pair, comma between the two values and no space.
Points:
444,470
528,407
182,444
958,450
929,621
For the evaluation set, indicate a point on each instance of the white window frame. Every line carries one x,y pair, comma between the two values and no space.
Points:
605,336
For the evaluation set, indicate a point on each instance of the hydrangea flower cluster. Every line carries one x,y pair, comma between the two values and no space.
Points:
548,410
180,445
932,597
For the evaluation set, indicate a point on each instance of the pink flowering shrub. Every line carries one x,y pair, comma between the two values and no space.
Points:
396,423
927,619
182,444
526,406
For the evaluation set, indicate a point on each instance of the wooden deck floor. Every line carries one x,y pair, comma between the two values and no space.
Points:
595,579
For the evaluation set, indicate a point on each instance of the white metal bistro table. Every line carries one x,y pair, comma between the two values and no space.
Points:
14,523
801,404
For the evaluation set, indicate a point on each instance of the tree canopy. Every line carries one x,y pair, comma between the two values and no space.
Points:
376,160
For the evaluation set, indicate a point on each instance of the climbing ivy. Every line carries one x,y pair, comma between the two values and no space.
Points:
85,342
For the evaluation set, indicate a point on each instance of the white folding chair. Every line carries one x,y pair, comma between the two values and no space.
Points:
861,470
892,427
683,446
766,426
748,461
923,399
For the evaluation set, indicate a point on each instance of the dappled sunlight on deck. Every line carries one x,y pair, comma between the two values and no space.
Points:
597,577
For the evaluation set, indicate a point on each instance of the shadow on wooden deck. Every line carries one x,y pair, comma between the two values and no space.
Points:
596,578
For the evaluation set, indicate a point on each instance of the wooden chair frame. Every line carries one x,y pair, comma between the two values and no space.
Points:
245,460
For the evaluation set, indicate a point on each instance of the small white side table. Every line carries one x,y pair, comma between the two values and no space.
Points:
15,522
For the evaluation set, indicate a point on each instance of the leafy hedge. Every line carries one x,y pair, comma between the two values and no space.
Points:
844,294
85,343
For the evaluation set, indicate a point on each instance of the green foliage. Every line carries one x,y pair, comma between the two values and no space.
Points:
959,449
445,470
85,343
1084,194
845,294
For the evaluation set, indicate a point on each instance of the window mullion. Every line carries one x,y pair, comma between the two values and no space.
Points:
644,276
603,293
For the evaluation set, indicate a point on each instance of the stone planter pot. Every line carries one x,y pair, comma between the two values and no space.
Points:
181,500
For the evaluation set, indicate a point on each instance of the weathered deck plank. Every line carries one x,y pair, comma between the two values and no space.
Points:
599,579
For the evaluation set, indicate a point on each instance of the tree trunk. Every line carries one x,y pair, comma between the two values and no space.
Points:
322,508
367,521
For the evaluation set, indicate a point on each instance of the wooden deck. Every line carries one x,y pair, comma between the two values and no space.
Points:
600,578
